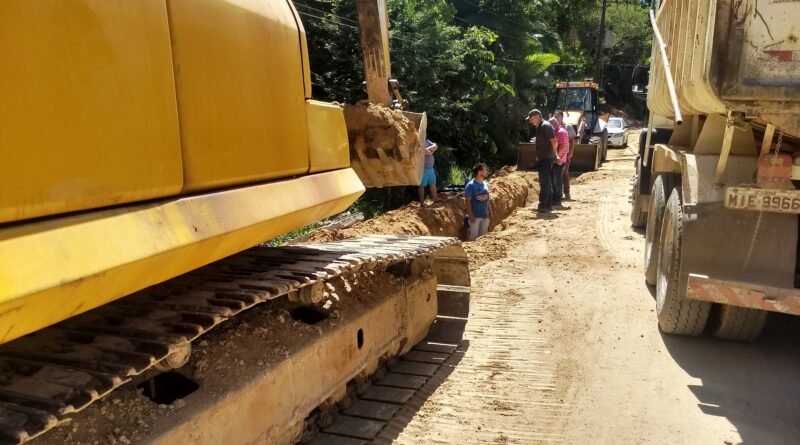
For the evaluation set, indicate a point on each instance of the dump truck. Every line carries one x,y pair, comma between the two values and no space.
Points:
716,177
149,149
580,102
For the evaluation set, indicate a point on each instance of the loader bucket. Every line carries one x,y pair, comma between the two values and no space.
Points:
386,146
585,158
526,157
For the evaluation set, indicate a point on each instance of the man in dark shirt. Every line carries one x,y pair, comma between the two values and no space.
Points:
546,154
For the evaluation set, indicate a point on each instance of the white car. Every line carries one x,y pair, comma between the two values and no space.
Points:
617,132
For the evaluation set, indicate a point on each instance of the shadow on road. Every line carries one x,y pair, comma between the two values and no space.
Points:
756,386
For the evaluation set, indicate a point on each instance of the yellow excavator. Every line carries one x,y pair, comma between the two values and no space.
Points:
145,140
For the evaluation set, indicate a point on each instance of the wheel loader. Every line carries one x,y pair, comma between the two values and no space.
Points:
716,179
579,102
149,148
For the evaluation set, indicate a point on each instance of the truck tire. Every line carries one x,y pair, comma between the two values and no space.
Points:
662,188
738,323
638,214
676,313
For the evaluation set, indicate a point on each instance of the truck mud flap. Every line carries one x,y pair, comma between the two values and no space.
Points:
716,242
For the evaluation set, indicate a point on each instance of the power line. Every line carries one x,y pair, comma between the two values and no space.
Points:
341,18
326,18
347,22
519,39
338,22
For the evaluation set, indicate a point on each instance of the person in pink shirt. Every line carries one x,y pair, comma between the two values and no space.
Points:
558,168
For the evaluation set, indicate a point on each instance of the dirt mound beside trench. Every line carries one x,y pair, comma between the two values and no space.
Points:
509,189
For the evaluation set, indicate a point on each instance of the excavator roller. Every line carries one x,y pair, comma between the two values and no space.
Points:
386,146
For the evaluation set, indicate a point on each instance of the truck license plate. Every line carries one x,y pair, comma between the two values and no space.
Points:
762,200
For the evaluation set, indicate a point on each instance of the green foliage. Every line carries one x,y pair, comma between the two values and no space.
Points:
457,175
475,66
634,34
475,73
294,234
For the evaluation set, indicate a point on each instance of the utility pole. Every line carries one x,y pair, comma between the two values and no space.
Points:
601,34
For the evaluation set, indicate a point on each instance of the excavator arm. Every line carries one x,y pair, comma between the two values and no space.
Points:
386,143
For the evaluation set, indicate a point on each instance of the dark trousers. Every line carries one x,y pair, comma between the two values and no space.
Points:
545,167
566,179
558,184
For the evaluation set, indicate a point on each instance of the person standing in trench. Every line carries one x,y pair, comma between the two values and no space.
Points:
476,195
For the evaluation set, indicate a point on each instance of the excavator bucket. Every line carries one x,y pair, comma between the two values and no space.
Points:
585,158
386,146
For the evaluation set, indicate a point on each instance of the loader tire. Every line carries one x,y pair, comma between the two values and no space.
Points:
638,214
676,313
662,188
738,323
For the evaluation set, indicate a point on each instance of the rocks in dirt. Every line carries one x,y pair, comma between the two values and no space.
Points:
385,147
379,126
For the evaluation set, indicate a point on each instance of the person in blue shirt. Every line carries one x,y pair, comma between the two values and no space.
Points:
476,195
428,175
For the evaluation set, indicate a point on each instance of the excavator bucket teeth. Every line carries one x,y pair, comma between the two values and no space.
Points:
386,146
585,158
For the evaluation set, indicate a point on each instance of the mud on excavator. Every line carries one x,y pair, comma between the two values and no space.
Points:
148,150
578,100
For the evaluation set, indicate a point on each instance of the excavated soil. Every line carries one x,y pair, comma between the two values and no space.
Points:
379,126
508,189
223,360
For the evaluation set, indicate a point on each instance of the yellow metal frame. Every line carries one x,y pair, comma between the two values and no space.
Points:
53,270
88,116
328,148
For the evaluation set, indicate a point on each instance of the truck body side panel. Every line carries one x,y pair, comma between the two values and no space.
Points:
737,55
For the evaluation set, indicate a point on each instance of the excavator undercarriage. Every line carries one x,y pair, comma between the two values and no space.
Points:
378,295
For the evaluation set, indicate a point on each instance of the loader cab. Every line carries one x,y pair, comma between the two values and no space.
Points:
579,99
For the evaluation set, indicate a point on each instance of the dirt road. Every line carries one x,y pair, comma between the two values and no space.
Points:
562,346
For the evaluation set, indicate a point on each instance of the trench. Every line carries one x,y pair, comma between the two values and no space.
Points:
508,190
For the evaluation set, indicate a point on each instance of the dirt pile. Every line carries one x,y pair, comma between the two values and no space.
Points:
385,146
509,189
379,126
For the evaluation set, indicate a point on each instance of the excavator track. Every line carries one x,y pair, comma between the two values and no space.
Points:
378,407
49,375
